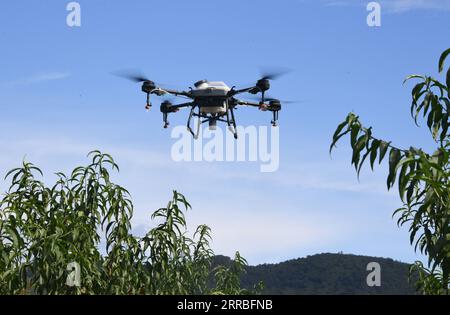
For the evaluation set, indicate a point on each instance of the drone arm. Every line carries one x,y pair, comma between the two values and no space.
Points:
234,92
178,106
261,106
172,92
249,103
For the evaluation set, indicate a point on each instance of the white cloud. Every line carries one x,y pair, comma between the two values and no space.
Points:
337,176
338,3
396,6
277,234
407,5
235,203
266,236
331,176
41,77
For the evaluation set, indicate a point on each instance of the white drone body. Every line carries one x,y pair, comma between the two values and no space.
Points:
213,95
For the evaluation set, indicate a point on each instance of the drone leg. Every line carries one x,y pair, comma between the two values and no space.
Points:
148,104
189,121
275,119
228,119
199,122
234,123
166,122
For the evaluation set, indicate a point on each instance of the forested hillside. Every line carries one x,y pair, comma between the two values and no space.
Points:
327,274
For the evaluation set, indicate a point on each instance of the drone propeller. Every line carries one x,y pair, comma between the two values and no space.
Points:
132,75
138,77
269,74
271,99
273,74
148,86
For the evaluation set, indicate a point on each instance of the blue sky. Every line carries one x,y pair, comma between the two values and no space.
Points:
58,101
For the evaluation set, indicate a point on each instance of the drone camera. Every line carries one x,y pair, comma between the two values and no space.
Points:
212,124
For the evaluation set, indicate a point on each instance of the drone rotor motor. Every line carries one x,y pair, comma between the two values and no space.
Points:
274,107
165,109
148,86
263,84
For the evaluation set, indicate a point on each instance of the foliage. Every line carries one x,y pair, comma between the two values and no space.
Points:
86,218
422,178
326,274
228,278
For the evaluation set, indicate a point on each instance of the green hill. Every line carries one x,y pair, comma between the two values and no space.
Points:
327,274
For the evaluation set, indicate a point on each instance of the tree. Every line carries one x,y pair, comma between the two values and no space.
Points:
84,220
422,178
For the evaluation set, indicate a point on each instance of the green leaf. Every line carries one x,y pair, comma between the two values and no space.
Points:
339,129
335,140
11,172
416,94
394,159
373,152
361,163
14,236
442,59
383,149
430,119
355,128
445,126
413,76
448,82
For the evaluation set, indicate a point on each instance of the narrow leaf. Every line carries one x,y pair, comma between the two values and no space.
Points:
442,59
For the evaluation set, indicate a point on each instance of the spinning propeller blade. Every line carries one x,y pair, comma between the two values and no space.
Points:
273,73
268,99
268,74
132,75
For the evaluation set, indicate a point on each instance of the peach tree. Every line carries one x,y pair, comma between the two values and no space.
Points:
82,224
422,178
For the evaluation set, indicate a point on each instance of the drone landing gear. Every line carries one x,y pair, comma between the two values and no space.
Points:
148,104
212,120
191,114
167,107
166,122
232,123
275,119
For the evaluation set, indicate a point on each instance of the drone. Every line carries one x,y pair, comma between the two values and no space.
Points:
210,102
